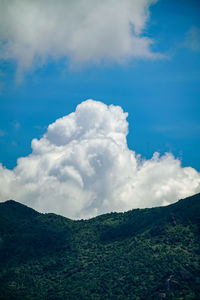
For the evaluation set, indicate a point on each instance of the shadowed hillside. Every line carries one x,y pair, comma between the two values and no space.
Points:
141,254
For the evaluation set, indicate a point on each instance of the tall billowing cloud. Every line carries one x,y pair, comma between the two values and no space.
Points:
82,30
83,167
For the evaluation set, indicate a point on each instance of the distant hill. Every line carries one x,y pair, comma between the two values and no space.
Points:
141,254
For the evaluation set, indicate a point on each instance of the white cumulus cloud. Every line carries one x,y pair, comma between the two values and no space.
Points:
82,30
82,167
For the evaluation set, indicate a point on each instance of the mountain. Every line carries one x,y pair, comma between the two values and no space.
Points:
141,254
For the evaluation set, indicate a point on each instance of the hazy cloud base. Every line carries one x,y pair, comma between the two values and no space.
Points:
82,30
82,167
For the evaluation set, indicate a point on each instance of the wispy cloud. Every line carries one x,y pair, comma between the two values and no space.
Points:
2,132
192,39
2,82
14,144
16,125
82,167
84,31
180,130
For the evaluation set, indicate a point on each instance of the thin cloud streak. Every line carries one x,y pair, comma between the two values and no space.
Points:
192,39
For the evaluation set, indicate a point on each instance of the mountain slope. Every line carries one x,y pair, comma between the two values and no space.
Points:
141,254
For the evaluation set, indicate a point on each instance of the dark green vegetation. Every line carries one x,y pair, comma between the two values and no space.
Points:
141,254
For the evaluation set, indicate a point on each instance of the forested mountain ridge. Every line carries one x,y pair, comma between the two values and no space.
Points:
141,254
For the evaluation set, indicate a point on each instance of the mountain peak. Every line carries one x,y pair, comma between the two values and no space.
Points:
140,254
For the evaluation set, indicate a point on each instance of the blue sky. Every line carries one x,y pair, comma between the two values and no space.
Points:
160,95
